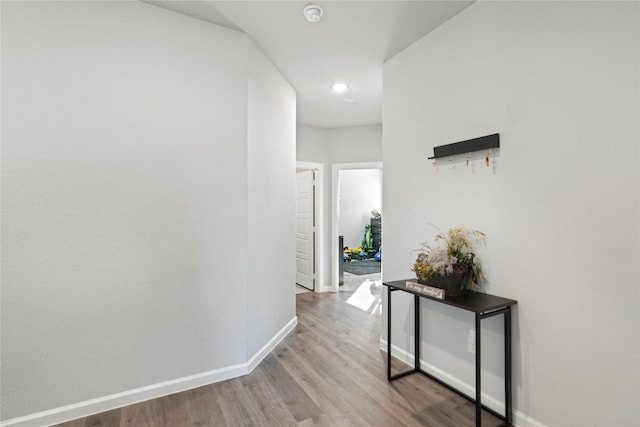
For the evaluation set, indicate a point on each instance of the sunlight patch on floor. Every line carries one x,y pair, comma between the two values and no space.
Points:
367,296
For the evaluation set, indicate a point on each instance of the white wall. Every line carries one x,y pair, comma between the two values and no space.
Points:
559,203
355,144
336,145
312,144
126,201
360,192
271,194
339,145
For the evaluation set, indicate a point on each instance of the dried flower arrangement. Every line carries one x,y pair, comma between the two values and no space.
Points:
456,255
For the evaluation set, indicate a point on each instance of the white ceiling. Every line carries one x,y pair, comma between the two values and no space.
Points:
349,44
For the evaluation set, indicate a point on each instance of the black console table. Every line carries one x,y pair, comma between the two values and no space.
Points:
484,306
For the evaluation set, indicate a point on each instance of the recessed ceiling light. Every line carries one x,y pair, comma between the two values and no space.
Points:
312,12
339,87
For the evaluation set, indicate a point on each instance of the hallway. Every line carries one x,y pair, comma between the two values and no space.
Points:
328,372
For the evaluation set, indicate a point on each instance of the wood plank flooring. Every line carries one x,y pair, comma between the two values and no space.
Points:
328,372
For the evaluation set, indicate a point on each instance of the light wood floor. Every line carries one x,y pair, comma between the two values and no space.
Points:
328,372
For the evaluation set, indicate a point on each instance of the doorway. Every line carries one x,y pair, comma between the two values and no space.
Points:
358,202
305,230
309,226
356,192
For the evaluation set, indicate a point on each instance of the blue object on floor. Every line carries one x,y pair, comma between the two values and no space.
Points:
378,256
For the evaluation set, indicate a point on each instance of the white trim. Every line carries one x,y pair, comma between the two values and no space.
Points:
271,344
320,222
335,217
130,397
520,419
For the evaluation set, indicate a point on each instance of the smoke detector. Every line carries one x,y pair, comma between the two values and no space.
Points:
312,12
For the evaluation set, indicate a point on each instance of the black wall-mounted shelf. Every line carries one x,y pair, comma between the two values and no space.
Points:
475,144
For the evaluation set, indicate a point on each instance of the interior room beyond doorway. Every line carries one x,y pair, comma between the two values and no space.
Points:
359,206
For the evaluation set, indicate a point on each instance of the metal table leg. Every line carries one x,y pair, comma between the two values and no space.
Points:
389,334
478,372
507,368
416,331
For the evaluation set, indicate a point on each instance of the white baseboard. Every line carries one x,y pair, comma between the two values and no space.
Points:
130,397
520,419
271,344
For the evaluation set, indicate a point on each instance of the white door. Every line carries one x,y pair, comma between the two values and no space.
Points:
305,240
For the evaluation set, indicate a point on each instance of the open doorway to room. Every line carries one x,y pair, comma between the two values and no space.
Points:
309,227
357,226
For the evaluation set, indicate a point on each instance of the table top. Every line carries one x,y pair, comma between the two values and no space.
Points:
476,302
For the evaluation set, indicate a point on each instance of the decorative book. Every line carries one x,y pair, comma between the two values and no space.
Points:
429,291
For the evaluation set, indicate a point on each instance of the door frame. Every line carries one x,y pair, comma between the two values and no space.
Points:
335,214
318,252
